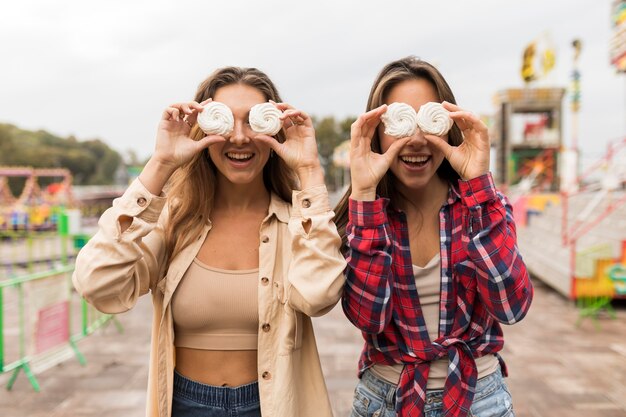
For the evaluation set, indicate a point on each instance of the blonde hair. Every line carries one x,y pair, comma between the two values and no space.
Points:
191,189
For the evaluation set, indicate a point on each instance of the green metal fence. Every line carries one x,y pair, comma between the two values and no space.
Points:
23,298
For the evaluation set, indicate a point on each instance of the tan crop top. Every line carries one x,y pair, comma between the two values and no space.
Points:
216,309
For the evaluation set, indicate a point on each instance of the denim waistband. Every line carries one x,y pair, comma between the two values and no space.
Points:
379,387
223,397
383,389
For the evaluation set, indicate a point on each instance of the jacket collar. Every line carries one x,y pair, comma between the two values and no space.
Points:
280,208
453,193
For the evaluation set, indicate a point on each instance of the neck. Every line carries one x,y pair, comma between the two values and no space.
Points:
241,197
424,200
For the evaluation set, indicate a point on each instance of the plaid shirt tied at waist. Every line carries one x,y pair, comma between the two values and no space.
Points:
484,282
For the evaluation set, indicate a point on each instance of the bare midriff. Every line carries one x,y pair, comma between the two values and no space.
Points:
223,368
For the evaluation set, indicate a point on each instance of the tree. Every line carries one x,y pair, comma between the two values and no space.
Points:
90,162
330,133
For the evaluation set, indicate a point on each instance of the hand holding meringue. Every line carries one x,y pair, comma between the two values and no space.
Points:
265,119
434,119
216,119
400,120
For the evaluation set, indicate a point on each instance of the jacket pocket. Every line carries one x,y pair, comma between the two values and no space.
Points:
290,333
291,328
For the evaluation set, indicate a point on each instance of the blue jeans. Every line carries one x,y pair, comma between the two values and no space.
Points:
374,397
194,399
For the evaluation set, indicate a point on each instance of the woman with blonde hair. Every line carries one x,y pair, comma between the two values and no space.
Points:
236,262
433,265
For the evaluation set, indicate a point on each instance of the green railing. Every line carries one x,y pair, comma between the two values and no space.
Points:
17,294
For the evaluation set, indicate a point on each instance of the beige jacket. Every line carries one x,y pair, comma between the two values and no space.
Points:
300,275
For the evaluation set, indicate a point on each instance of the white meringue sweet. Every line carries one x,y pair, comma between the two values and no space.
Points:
216,119
433,118
400,120
265,119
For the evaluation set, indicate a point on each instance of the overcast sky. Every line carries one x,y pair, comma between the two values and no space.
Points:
107,69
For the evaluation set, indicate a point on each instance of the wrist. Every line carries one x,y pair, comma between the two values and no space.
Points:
310,176
162,164
155,175
363,194
471,176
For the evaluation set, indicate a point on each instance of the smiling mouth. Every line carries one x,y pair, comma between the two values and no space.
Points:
239,157
415,161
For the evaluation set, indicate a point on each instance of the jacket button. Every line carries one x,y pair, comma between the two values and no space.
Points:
141,201
265,239
266,327
266,375
265,280
306,203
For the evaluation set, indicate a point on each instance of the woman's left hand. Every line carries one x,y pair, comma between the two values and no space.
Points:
299,151
471,158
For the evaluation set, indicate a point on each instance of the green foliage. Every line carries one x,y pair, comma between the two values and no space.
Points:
91,162
329,134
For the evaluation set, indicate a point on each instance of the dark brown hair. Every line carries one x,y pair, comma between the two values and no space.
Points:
391,75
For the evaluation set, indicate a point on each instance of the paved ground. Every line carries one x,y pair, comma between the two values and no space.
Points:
556,368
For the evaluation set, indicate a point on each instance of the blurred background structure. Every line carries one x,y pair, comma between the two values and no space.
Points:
552,95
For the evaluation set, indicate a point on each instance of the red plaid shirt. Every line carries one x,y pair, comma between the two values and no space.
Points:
484,282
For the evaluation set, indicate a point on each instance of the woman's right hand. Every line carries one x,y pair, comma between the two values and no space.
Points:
174,146
367,168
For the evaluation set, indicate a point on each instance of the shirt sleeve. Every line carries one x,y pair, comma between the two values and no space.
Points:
315,274
114,268
366,298
503,282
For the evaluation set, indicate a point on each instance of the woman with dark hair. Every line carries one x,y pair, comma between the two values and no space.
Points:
433,265
237,262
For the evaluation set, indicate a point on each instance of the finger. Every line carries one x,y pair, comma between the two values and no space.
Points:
195,106
365,124
467,120
394,149
357,139
192,117
184,107
290,114
186,112
282,106
374,114
372,120
269,141
440,144
287,123
207,141
171,113
297,117
450,106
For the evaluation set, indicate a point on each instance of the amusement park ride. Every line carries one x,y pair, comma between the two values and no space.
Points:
571,225
36,208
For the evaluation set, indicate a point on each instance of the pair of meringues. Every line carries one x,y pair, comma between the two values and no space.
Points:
400,119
